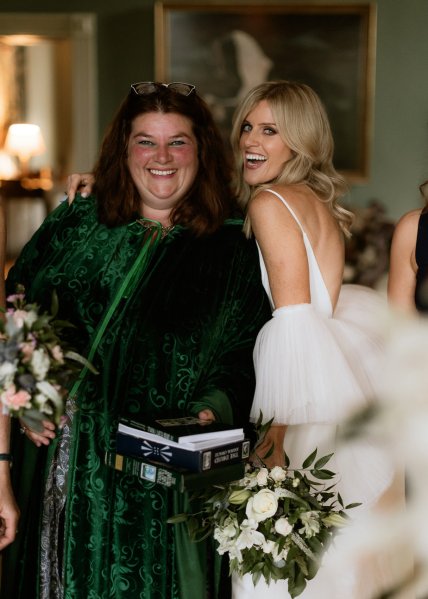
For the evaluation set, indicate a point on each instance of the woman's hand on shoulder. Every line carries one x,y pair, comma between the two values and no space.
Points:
82,182
403,267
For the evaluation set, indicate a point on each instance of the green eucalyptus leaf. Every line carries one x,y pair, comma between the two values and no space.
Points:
177,518
72,355
309,460
322,461
352,505
323,474
54,303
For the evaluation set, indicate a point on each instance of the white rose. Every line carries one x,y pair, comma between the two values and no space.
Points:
283,527
262,477
262,505
278,474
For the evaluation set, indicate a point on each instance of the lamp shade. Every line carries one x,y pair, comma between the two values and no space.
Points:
24,140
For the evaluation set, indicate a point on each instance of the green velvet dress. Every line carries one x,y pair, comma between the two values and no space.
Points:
170,323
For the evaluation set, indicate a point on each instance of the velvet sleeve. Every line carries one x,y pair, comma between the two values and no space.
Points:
229,381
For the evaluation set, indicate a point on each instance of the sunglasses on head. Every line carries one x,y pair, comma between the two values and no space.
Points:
149,87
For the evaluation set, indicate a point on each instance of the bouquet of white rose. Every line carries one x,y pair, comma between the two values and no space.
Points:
274,523
35,364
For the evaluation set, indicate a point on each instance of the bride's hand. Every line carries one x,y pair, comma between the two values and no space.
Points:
82,182
272,444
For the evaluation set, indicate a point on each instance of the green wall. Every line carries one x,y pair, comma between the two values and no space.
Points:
399,147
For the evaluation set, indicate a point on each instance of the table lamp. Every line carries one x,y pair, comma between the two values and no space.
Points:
24,140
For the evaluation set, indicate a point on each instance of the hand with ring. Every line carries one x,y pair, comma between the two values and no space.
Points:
40,438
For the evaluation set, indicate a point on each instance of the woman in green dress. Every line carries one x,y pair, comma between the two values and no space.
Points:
165,294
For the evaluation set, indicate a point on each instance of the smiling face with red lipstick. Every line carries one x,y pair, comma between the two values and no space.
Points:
162,160
264,153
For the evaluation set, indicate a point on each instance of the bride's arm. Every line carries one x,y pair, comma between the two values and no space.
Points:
284,254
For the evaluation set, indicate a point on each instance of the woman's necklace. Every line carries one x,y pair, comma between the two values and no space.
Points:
149,224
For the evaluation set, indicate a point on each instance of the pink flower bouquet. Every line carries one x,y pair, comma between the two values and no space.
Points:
35,365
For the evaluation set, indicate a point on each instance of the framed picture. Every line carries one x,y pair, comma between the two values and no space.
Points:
225,50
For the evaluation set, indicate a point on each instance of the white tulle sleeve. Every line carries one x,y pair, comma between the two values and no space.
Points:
315,369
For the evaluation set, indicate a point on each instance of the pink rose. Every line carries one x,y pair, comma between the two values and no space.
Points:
15,400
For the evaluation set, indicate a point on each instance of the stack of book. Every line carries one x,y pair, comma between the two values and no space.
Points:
183,453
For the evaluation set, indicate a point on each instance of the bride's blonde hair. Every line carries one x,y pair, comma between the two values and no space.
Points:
304,126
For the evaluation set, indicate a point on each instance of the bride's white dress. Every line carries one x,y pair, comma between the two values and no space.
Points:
314,367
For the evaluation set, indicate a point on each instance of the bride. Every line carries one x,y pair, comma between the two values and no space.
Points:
317,359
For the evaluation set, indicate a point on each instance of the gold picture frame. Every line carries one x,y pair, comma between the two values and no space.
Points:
226,49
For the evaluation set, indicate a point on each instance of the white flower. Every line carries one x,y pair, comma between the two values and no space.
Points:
230,527
335,519
7,373
224,543
273,548
311,525
40,363
249,535
262,477
283,527
296,482
269,547
262,505
42,402
22,316
49,392
278,474
280,557
235,553
249,481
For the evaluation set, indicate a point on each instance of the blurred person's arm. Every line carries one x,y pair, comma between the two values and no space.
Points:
9,513
403,267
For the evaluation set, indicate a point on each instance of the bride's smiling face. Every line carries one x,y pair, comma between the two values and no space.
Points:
263,150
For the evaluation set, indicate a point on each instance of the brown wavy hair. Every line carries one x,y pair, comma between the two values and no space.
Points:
210,199
304,126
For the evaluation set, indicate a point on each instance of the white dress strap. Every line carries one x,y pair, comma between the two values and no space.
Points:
289,208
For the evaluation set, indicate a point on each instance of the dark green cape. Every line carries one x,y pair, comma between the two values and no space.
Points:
171,325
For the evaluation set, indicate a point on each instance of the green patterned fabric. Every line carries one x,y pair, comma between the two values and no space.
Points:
172,324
